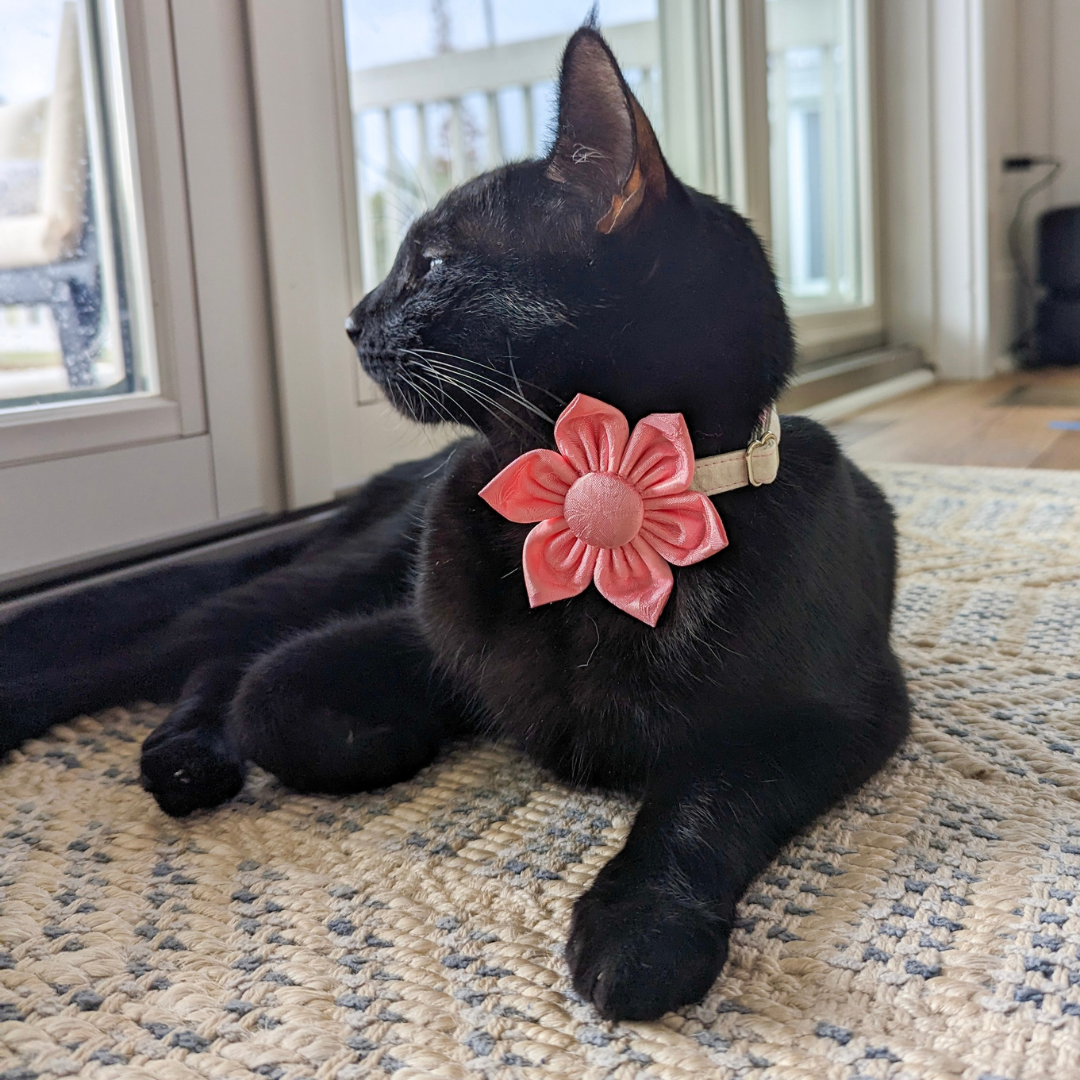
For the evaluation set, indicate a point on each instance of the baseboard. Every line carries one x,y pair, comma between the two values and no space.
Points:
828,379
248,541
839,408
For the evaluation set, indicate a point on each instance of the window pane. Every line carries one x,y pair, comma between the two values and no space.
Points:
66,329
814,152
444,89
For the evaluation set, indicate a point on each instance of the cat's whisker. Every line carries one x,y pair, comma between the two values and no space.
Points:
404,395
413,385
490,407
491,367
436,397
415,378
482,380
440,407
471,426
413,381
430,359
488,404
452,376
487,367
444,409
513,370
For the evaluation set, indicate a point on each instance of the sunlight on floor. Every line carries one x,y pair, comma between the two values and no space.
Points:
1028,419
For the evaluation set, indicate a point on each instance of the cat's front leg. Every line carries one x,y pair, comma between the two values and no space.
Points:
186,762
651,934
352,705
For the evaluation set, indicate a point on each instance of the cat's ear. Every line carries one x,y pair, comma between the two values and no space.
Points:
605,146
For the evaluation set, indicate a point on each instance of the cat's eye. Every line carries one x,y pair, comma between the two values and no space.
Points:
431,264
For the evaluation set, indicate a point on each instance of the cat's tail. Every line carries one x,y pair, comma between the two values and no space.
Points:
100,645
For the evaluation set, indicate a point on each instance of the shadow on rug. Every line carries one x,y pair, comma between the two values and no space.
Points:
926,928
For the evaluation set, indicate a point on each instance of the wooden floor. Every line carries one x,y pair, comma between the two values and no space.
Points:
1029,420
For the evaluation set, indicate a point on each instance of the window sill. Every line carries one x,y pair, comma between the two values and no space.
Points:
825,335
50,431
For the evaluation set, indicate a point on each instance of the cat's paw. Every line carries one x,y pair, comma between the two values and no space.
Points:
637,954
188,768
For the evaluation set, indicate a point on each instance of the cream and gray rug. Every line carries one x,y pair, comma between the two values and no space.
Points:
928,928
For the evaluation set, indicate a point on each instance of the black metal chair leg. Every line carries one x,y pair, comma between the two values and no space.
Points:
76,337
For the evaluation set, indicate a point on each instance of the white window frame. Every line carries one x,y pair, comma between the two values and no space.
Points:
83,483
35,432
717,139
825,334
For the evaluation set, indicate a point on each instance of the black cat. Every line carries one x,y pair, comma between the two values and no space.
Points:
767,689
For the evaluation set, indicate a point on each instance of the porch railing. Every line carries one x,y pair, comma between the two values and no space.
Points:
423,126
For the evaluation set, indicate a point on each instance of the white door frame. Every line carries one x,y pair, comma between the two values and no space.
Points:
335,433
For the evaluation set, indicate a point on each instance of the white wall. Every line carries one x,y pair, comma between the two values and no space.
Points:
965,83
934,182
906,163
1048,50
1037,58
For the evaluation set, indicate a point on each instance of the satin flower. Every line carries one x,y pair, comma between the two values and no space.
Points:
613,508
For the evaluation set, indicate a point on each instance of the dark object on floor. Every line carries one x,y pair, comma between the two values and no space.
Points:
1057,326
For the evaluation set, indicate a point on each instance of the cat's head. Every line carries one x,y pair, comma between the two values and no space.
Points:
592,271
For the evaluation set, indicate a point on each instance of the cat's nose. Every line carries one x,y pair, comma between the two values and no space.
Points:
352,328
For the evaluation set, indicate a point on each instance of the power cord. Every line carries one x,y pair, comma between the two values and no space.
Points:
1024,345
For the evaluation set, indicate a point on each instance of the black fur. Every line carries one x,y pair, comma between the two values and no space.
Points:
766,692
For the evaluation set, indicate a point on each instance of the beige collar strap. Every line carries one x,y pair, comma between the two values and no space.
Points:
754,466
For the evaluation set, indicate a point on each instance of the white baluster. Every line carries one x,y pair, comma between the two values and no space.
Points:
495,155
369,258
427,183
458,166
393,196
530,133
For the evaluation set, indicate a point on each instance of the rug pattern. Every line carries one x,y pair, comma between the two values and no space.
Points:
927,928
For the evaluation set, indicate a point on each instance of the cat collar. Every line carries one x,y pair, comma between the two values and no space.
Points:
616,507
756,465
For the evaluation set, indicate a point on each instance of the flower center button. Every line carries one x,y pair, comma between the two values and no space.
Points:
604,510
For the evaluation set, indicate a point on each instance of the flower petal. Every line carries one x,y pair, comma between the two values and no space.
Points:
532,487
591,435
659,458
683,528
635,579
557,564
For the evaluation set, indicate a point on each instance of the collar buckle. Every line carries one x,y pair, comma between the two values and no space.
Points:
756,465
762,460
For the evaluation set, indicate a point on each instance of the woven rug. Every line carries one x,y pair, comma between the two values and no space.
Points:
927,928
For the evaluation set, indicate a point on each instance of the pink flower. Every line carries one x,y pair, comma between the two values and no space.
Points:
613,508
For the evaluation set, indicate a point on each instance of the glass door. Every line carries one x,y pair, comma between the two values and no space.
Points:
109,378
368,112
